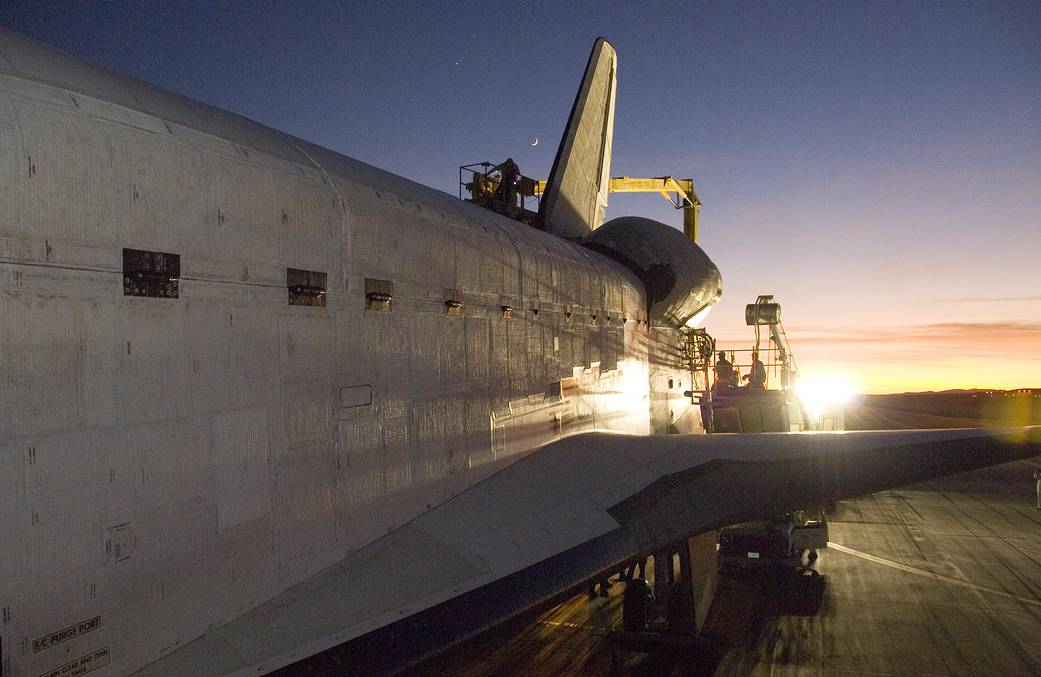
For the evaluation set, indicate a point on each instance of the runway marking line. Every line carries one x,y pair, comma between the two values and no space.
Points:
929,574
565,624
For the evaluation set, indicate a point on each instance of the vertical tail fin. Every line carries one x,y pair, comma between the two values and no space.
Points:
575,199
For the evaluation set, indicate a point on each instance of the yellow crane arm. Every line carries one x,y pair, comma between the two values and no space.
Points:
680,192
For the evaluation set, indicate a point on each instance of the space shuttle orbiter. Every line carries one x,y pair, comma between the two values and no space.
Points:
264,405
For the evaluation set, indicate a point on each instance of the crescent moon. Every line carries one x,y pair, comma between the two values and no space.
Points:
535,141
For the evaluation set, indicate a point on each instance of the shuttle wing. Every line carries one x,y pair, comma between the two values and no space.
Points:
552,521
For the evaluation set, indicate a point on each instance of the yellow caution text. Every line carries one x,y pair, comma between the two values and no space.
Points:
60,636
81,665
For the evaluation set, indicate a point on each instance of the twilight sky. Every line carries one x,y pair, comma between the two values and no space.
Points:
876,166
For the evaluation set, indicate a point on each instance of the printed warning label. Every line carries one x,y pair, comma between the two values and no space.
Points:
60,636
81,665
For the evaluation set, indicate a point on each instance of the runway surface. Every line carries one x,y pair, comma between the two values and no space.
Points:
942,578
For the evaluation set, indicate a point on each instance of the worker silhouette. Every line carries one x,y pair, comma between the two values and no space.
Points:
757,377
725,377
506,193
1037,476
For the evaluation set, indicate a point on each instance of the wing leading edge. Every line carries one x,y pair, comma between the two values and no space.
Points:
545,525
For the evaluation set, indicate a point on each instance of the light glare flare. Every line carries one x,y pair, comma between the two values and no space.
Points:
823,394
635,383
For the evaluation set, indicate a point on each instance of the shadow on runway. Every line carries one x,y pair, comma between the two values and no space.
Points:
742,615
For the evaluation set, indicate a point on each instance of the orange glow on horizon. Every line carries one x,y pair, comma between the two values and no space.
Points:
955,374
917,359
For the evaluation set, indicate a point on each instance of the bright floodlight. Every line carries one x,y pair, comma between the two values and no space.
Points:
821,394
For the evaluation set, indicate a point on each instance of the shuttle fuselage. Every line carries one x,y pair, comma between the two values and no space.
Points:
176,449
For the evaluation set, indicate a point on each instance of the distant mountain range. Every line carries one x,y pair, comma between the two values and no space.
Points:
946,409
954,391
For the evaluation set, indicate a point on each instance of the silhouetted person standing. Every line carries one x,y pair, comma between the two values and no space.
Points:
757,377
724,373
509,175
